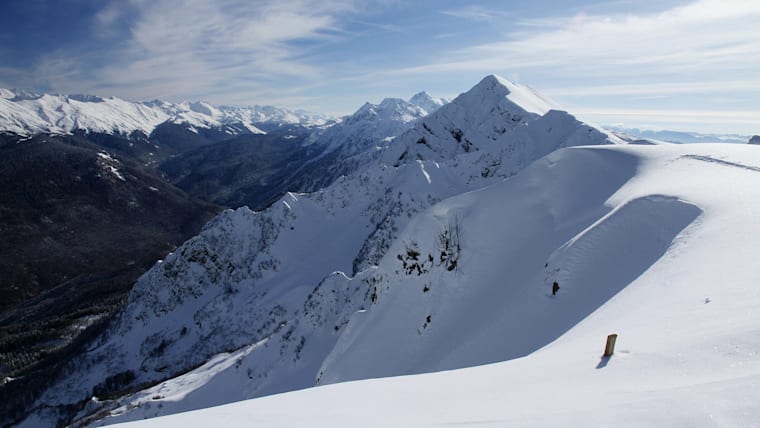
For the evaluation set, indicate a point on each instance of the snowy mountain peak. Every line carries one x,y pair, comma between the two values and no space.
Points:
391,103
203,108
485,117
388,106
428,102
6,94
364,109
419,105
19,94
396,108
524,97
372,124
86,98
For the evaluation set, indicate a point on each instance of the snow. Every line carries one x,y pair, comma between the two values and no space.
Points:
373,124
653,243
6,94
524,96
427,102
109,164
437,253
28,114
280,275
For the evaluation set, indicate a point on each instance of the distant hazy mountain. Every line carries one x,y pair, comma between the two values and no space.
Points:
680,136
25,113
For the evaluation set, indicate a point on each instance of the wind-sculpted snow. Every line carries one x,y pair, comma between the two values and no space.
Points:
277,279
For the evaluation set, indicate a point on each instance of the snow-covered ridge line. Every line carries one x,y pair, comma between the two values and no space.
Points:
274,275
26,113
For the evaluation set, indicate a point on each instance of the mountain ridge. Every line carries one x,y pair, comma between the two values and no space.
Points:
268,276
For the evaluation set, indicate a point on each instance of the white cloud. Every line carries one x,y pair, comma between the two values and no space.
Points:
106,18
188,48
476,13
707,36
241,51
705,51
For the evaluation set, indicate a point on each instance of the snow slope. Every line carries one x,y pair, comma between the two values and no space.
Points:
278,280
27,114
654,243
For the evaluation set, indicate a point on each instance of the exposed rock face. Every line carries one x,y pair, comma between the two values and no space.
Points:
755,139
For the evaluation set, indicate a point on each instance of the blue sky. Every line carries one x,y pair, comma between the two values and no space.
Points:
675,64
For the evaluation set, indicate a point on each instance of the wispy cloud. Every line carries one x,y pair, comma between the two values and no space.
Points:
476,13
380,26
704,40
214,47
599,54
106,19
717,86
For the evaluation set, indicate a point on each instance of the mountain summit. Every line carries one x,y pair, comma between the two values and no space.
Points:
427,102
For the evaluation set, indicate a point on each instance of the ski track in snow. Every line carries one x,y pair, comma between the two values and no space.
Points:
717,161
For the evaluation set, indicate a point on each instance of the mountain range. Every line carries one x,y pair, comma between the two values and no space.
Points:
494,240
90,201
679,137
27,113
256,277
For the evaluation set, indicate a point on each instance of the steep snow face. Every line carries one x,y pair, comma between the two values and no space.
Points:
480,266
26,114
278,279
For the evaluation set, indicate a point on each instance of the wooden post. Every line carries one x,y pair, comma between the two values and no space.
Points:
610,348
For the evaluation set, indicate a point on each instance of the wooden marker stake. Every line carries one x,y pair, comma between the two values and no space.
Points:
610,348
